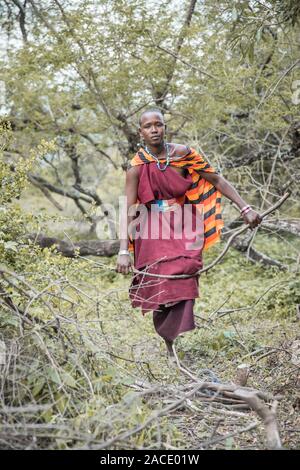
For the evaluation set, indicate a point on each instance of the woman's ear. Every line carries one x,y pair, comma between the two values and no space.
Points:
141,136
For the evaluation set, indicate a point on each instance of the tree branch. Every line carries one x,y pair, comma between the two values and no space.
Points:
21,15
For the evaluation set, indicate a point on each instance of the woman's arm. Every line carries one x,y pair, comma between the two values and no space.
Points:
252,217
131,191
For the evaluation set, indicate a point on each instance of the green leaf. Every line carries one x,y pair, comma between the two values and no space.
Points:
9,320
129,398
68,379
229,334
128,380
38,386
229,443
53,375
47,415
12,246
259,34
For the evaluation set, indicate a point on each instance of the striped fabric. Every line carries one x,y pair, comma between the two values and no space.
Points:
202,193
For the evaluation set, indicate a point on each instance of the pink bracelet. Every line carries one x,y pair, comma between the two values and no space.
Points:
246,211
244,208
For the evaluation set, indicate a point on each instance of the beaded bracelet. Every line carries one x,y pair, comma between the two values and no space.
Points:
245,208
246,211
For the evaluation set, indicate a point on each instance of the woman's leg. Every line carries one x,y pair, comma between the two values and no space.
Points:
169,322
169,344
158,317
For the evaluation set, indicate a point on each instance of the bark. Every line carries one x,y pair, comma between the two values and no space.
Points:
82,247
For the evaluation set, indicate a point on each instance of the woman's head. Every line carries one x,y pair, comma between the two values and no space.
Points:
152,127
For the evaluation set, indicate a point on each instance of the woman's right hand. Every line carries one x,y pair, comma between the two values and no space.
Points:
124,264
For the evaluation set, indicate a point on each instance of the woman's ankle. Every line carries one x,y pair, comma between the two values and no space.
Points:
169,344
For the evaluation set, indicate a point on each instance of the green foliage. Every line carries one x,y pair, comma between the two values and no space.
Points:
14,223
74,89
57,354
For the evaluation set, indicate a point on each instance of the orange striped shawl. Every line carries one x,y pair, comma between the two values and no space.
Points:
202,192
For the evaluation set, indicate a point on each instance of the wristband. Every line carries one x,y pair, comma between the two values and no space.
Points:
124,252
245,209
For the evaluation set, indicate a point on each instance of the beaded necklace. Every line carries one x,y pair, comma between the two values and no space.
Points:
157,159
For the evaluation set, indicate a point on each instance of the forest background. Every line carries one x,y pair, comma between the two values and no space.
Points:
79,367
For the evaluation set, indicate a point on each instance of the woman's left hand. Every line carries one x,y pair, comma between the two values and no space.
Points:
252,218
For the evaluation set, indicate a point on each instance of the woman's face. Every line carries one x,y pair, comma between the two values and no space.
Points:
152,128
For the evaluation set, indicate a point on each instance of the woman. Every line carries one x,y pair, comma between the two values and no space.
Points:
166,180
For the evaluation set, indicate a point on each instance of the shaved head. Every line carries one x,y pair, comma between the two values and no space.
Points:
150,110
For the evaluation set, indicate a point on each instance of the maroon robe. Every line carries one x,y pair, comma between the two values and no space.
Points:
165,256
